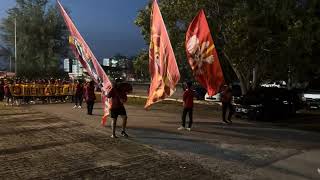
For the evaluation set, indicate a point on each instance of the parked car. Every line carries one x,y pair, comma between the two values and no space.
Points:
311,99
200,92
236,93
215,98
268,103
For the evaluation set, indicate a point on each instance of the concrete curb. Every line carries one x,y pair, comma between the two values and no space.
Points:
179,100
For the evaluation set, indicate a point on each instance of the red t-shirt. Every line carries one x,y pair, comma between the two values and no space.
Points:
7,92
90,95
117,98
79,89
227,96
188,98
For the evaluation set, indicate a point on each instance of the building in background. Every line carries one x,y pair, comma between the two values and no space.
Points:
74,68
118,67
106,62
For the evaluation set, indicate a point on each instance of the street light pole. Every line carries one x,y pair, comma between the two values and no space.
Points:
10,64
15,46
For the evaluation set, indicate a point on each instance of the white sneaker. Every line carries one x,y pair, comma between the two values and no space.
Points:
79,107
181,128
189,129
114,137
74,106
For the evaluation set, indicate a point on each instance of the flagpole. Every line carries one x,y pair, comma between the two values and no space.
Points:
15,45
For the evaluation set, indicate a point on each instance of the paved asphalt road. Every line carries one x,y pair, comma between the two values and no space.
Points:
244,150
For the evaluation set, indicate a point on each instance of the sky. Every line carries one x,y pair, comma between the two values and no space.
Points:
106,25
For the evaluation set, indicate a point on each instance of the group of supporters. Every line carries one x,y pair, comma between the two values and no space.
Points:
23,91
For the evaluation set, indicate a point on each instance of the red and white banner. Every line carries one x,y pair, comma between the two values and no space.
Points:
163,67
202,55
87,60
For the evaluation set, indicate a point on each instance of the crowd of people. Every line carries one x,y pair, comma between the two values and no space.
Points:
71,91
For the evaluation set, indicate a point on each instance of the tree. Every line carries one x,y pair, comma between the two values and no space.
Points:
41,37
141,65
257,40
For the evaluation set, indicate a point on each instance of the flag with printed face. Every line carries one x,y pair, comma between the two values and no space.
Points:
202,55
163,67
87,59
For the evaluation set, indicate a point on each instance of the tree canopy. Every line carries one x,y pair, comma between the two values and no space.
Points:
257,40
41,37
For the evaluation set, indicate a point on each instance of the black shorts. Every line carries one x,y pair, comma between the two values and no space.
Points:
118,112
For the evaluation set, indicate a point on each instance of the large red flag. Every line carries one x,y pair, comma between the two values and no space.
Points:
162,62
88,60
202,55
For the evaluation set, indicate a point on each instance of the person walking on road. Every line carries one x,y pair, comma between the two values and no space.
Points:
118,97
1,90
7,93
78,95
227,104
187,107
90,97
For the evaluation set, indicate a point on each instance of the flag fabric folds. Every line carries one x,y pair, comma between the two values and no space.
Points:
87,60
202,55
163,67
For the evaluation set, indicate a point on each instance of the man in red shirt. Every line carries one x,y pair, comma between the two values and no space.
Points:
118,97
227,104
187,106
79,95
90,97
7,93
1,90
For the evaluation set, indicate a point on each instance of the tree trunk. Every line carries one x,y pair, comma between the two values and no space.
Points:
255,76
243,81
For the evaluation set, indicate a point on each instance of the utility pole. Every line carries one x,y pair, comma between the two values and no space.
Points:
15,46
289,77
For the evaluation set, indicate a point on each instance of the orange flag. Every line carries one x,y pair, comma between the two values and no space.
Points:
88,60
202,55
162,62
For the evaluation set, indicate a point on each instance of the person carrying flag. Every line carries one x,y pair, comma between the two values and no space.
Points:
187,106
118,97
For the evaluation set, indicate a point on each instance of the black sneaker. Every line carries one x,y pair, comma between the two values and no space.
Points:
124,134
225,121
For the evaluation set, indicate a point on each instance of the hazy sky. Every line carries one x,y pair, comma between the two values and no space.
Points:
107,25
